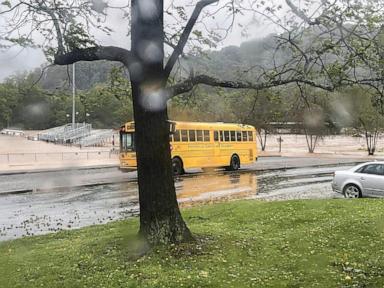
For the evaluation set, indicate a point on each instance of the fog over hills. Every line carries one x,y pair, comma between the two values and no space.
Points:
225,63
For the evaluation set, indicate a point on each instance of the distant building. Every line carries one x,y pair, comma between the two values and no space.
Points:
329,128
287,127
12,132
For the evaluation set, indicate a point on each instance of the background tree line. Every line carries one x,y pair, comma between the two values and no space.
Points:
42,98
28,105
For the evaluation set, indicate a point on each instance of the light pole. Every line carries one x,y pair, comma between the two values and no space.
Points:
73,95
67,115
86,117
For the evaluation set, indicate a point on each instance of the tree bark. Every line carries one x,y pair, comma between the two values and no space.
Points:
371,142
311,141
160,218
262,138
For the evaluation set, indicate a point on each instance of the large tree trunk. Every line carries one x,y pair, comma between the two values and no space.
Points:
160,218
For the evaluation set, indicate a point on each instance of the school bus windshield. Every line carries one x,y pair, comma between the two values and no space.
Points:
127,142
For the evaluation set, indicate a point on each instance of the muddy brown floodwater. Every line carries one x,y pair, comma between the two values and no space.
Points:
53,210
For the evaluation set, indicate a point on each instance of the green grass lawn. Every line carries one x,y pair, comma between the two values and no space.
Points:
316,243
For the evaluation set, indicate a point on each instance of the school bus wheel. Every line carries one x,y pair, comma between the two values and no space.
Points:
234,164
177,166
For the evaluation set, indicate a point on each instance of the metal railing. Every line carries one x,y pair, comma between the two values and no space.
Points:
49,157
97,137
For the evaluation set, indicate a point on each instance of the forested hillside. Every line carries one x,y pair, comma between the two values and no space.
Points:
41,98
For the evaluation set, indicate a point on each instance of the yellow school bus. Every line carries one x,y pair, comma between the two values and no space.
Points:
198,145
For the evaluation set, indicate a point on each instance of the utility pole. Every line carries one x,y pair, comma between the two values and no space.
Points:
73,96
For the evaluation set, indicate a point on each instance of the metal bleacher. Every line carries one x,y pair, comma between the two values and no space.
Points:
66,134
95,138
51,134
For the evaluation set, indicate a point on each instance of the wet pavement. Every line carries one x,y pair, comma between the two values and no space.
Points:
53,207
47,180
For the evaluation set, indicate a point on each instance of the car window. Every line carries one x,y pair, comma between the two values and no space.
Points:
376,169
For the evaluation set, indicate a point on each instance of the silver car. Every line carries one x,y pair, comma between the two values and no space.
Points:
366,179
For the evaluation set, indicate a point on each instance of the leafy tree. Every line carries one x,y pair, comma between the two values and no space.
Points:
261,109
311,112
360,111
29,105
8,102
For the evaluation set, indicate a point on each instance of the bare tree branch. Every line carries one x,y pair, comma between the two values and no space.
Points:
301,14
95,53
184,36
41,75
188,84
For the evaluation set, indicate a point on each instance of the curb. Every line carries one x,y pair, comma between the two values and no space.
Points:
61,188
58,169
15,192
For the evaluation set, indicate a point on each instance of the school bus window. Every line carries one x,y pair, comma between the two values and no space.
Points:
226,136
176,136
216,136
238,136
250,136
192,135
199,135
184,135
206,136
221,136
233,136
170,138
245,138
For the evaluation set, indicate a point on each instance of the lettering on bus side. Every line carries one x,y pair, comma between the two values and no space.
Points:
199,146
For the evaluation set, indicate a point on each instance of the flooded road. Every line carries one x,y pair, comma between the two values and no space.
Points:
43,211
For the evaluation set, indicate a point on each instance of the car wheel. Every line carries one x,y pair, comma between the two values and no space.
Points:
177,166
352,191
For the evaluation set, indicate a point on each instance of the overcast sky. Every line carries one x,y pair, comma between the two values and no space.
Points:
18,60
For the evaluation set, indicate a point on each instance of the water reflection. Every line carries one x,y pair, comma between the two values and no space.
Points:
208,186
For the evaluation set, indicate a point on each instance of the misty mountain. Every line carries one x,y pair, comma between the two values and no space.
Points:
226,63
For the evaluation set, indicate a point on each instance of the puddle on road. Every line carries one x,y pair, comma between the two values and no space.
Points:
204,187
50,211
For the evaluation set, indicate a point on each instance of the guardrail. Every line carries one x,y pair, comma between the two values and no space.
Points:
49,157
